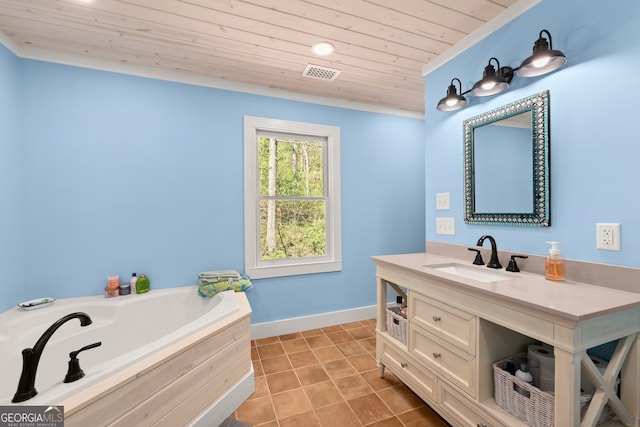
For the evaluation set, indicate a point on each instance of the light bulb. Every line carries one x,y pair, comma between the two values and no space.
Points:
323,48
488,85
541,62
451,102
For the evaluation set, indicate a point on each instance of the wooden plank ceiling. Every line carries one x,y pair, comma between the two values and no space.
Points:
381,45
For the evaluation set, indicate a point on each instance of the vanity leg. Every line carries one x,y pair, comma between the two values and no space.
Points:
630,379
567,388
381,318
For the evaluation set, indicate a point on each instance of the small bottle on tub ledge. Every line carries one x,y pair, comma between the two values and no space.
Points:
132,282
142,284
113,287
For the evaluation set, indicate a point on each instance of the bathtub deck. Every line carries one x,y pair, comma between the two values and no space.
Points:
173,386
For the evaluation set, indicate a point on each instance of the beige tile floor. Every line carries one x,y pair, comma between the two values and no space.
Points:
328,377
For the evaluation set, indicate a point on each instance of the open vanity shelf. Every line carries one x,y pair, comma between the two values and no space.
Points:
457,328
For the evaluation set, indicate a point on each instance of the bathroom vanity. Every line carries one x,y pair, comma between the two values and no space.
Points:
463,318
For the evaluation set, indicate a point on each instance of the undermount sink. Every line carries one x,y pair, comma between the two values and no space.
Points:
471,272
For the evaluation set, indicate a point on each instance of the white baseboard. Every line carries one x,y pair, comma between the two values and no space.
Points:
298,324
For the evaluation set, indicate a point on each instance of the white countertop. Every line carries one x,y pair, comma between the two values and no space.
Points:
570,300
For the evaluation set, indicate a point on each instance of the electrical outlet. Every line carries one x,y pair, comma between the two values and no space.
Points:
443,201
608,236
446,226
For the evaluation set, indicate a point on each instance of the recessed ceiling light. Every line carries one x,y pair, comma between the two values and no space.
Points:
323,48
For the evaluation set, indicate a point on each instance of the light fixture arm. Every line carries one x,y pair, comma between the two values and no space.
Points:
548,35
504,72
459,84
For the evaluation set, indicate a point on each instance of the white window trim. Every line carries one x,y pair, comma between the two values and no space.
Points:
276,268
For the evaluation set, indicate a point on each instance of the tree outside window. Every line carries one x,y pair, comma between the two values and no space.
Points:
292,200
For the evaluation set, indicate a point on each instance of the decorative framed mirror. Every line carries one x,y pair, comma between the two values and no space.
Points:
506,164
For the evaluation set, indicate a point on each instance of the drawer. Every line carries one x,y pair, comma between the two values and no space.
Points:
420,379
451,362
465,411
449,323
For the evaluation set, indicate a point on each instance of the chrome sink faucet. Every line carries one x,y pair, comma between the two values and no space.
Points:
31,357
494,262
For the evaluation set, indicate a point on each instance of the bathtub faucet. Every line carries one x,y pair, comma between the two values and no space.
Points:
31,357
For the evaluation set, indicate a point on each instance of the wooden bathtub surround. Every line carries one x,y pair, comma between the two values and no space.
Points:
457,328
173,386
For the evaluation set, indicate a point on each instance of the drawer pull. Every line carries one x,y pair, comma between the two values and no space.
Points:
437,318
482,425
404,364
437,354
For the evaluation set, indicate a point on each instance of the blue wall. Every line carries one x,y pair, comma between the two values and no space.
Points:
595,150
11,198
125,174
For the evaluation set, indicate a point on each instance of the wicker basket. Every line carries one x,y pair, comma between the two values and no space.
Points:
531,405
397,324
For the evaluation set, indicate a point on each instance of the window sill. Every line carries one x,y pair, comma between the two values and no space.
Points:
293,270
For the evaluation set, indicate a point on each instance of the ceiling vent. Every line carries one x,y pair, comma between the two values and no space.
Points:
320,73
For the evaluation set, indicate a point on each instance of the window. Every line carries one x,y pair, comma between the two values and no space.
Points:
291,198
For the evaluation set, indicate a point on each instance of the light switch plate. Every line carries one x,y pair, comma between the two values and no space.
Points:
443,201
446,226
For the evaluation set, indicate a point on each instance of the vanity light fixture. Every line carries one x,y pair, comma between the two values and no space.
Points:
496,79
453,101
493,81
323,48
543,60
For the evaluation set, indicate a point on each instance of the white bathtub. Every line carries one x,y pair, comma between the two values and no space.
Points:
167,357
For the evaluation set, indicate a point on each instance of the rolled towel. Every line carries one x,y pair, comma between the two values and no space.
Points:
207,290
218,276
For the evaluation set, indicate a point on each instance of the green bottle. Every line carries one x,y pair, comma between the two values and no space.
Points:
142,284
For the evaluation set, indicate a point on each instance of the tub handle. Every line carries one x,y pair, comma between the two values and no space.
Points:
74,372
73,354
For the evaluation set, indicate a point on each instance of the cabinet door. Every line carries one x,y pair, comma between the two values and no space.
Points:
449,323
